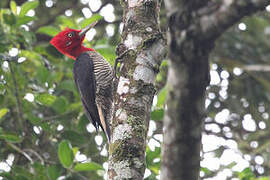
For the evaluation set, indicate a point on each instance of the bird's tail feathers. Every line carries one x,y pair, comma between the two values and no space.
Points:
104,124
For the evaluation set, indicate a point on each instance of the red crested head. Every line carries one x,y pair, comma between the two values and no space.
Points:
70,41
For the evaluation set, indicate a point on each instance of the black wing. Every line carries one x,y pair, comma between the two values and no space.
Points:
83,74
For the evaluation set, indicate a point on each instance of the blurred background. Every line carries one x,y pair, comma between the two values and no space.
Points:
45,135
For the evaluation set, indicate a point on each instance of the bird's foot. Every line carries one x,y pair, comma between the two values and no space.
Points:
121,51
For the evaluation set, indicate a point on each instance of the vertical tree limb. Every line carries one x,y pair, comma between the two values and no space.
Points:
191,39
145,47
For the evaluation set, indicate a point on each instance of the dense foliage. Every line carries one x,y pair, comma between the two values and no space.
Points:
44,134
43,129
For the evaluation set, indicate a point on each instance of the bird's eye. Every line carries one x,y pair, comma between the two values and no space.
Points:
70,34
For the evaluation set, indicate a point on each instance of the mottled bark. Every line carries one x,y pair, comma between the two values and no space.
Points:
194,27
145,48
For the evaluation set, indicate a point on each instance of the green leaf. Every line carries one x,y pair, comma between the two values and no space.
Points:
21,177
90,20
3,112
35,57
83,121
33,119
246,174
65,153
6,175
263,178
40,172
157,114
155,168
24,20
87,166
22,172
151,155
45,126
29,37
53,172
162,97
67,85
75,150
49,30
9,19
10,137
1,99
75,106
74,137
13,7
231,165
42,74
205,170
45,99
28,6
151,177
60,104
64,22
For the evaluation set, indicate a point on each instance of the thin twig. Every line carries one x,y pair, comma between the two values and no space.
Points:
55,117
81,176
16,148
36,154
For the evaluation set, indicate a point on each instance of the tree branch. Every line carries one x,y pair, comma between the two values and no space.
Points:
257,67
16,148
188,5
214,24
55,117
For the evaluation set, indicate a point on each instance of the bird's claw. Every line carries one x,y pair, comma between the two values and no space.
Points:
119,59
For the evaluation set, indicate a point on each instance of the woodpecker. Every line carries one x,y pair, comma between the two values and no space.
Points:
92,74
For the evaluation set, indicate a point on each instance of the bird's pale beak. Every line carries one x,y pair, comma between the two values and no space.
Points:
87,28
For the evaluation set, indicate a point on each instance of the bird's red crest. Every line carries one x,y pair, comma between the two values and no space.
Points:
69,42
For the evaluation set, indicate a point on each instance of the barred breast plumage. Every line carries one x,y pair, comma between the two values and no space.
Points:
93,77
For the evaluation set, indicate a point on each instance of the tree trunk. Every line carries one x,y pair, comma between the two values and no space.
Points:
187,80
194,26
144,49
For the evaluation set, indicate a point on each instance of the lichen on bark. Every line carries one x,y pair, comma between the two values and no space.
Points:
134,95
